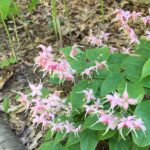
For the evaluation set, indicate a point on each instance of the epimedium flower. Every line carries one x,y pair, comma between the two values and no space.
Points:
135,15
126,100
113,49
104,35
24,99
114,100
93,40
146,20
132,123
36,89
65,127
107,119
47,49
75,51
89,95
96,67
122,101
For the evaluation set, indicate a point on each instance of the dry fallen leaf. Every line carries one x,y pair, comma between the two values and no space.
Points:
5,74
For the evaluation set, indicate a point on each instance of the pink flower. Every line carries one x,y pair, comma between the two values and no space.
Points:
88,72
93,40
126,101
36,89
89,95
112,49
135,15
146,20
97,67
104,36
74,51
100,65
139,124
109,120
60,68
114,100
24,100
56,126
148,34
122,16
131,123
45,49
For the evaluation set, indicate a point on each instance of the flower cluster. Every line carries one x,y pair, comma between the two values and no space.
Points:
60,68
97,41
125,17
96,67
66,127
45,110
108,117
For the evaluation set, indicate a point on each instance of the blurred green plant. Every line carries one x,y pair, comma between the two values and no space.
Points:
32,5
56,21
6,104
7,62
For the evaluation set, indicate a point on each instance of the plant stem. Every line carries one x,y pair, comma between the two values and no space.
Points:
102,9
10,40
15,30
54,16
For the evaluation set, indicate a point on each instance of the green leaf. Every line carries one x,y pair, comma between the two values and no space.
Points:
132,67
146,82
146,69
54,80
73,147
143,111
89,141
47,146
120,144
143,48
45,92
4,7
80,65
98,54
114,61
72,139
48,136
77,97
50,146
14,9
12,60
111,83
32,5
59,137
4,63
108,135
5,104
89,123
